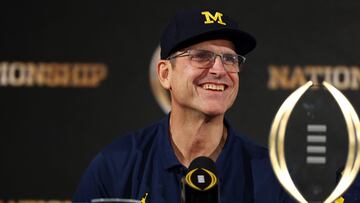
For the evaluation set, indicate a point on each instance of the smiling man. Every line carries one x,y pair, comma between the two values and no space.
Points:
203,82
202,52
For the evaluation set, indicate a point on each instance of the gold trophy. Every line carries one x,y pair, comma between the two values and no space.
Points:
314,138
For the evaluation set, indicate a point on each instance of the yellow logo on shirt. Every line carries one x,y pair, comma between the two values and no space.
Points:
143,200
340,200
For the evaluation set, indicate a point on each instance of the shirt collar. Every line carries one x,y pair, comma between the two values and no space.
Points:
166,150
225,153
167,153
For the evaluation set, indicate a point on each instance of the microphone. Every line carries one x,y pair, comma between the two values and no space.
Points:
200,184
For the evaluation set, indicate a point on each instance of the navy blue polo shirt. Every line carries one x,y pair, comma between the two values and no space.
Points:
144,162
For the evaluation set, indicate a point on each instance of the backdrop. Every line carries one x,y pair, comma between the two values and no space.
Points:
75,74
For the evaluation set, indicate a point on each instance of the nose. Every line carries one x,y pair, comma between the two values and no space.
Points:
218,67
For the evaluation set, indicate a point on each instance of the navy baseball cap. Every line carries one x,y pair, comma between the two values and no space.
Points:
194,26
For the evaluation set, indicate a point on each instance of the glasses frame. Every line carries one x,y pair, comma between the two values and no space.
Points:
187,53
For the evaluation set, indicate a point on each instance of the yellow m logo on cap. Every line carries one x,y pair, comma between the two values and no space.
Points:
213,18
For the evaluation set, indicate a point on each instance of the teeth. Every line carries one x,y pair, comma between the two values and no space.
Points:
214,87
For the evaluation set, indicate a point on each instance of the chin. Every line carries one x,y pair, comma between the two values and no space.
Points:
212,112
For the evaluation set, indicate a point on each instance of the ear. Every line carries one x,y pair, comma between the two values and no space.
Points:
163,71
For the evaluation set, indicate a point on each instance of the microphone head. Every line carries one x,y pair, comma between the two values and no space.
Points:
202,174
203,162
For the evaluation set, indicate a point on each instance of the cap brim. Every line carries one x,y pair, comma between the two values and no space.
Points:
244,42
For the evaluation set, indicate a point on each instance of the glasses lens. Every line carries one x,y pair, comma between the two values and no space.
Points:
205,59
230,59
201,58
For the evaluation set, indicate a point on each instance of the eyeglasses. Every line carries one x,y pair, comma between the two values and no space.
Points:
206,59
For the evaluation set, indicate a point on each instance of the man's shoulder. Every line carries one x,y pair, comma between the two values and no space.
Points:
135,141
257,154
241,141
266,186
251,149
113,171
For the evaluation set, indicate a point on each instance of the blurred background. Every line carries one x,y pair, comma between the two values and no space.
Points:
76,74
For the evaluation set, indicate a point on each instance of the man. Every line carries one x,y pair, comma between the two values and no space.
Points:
202,52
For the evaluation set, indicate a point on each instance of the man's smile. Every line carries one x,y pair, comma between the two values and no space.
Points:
215,87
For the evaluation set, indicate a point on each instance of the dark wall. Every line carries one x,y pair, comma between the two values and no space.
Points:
49,133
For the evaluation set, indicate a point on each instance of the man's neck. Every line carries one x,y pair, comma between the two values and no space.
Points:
195,135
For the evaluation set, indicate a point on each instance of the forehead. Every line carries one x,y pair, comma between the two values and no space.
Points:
218,44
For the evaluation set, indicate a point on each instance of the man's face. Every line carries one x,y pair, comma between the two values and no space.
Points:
210,91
